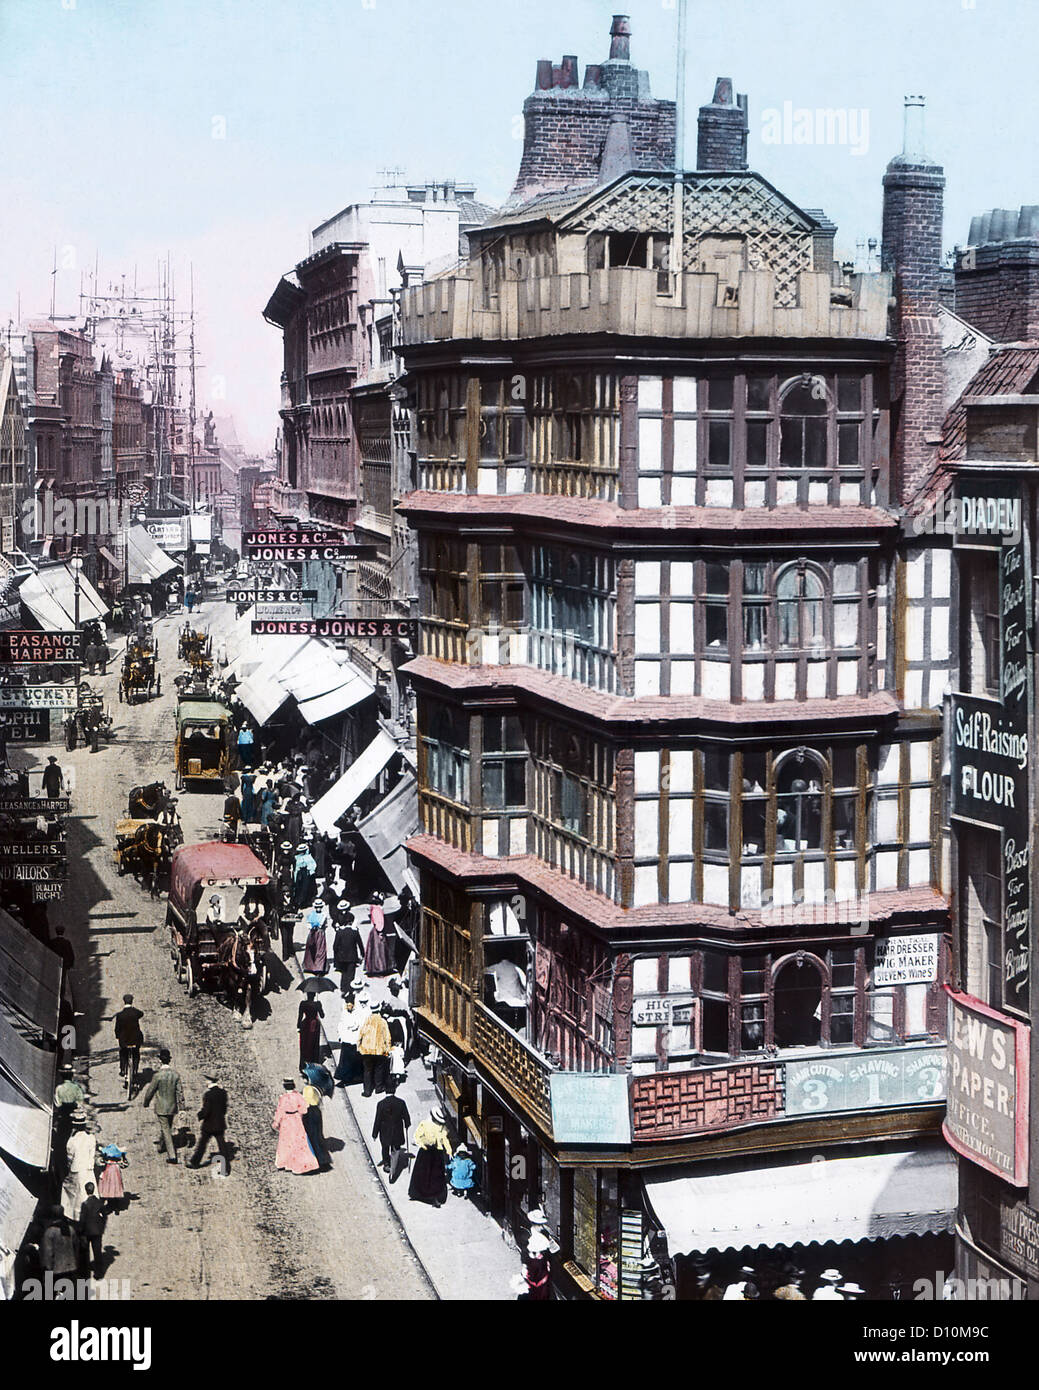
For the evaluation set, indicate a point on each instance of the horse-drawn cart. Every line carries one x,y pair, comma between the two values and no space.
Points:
89,722
220,946
203,749
143,847
140,679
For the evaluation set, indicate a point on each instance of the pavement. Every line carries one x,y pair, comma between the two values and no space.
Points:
258,1233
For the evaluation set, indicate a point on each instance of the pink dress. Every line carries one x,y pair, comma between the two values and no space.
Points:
294,1153
110,1183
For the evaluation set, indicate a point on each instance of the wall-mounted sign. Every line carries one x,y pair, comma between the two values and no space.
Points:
62,697
990,764
18,805
50,850
18,871
47,892
19,645
386,629
865,1080
26,725
1019,1237
590,1109
167,532
906,960
986,1116
987,514
271,595
650,1010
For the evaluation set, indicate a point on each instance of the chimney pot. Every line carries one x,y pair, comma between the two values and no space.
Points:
620,39
913,141
568,73
593,75
544,76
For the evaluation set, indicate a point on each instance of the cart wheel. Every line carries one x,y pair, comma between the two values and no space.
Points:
178,964
189,978
158,685
264,980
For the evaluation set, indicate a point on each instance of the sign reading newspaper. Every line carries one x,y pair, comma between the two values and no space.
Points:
394,629
986,1117
906,960
19,645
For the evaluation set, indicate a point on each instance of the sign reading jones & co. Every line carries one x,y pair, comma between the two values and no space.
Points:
986,1116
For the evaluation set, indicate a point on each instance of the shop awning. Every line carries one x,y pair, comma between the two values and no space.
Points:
25,1127
355,689
30,1066
867,1197
30,975
360,774
109,558
389,827
144,560
17,1205
50,596
262,693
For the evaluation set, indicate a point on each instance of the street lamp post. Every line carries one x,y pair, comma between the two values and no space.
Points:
77,565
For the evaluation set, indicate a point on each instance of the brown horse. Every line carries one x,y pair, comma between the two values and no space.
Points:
243,969
146,856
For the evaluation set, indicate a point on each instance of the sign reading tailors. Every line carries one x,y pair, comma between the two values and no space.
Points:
18,645
986,1118
906,960
590,1109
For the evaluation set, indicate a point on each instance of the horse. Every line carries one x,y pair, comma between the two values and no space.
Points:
242,969
148,802
147,855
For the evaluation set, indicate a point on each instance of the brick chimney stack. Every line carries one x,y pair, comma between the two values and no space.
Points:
567,142
721,141
914,188
997,275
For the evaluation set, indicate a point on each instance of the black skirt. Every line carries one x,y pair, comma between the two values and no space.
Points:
428,1177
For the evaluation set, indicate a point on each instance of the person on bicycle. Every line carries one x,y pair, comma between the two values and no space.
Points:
128,1034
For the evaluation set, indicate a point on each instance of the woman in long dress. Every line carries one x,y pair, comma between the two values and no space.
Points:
312,1121
381,947
429,1171
308,1022
294,1152
248,797
110,1184
315,956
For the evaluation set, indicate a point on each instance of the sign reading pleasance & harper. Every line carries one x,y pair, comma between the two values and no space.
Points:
987,1092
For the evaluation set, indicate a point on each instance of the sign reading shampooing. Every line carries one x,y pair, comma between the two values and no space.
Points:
906,960
986,1118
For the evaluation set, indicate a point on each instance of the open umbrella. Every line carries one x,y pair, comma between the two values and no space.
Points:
320,1077
317,984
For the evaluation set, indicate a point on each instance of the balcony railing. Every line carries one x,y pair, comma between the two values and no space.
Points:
520,1068
625,300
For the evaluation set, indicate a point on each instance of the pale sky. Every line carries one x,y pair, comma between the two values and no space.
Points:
110,108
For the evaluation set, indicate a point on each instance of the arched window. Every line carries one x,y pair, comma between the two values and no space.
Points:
803,425
797,1000
800,591
799,803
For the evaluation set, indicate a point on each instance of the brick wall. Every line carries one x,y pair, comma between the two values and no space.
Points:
997,290
912,250
721,138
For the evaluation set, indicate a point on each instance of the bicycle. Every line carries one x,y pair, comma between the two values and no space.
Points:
132,1063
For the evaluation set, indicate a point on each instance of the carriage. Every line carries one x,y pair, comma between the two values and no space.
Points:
223,953
89,722
194,646
204,746
144,848
140,678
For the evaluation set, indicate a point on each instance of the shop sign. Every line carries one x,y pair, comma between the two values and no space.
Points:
865,1080
166,532
26,725
654,1009
906,960
33,805
393,629
19,645
52,850
990,765
986,1116
47,892
590,1109
1019,1237
17,871
271,595
62,697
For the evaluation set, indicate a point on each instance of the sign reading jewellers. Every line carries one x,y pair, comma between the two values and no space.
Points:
990,738
986,1117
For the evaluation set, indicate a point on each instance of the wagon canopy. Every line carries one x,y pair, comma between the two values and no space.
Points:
202,712
213,865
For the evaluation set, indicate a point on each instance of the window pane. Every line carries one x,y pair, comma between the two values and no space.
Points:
752,1027
717,578
845,772
753,823
492,738
716,626
757,444
815,443
716,771
753,626
718,443
848,446
759,392
881,1016
791,443
493,785
846,624
514,733
789,630
517,446
719,393
515,782
753,579
716,825
715,1026
842,1021
849,393
845,579
844,822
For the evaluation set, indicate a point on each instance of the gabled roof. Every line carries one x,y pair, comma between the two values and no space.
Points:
571,208
1008,372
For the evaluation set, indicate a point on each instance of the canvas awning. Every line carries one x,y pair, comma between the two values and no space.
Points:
338,700
25,1127
30,975
50,596
388,828
30,1066
17,1205
145,562
262,693
866,1197
360,774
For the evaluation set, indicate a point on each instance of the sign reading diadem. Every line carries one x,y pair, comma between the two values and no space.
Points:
906,960
17,645
986,1118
